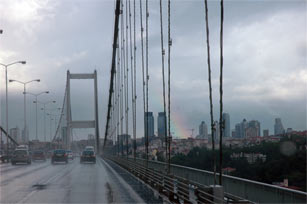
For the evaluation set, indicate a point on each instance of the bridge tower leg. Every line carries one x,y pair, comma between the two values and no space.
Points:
96,113
68,130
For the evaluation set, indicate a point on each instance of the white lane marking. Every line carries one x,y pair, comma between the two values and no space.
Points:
44,183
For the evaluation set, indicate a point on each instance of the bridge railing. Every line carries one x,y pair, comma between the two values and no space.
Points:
250,190
176,189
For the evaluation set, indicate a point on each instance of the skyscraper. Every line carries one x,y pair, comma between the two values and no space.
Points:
150,124
226,119
161,124
203,130
253,129
266,133
278,127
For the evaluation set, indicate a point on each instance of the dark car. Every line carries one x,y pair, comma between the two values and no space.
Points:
88,156
59,155
38,155
21,156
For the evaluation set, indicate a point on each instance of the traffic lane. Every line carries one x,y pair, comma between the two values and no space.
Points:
18,184
9,168
77,183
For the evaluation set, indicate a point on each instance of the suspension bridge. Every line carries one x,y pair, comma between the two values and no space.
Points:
118,147
173,183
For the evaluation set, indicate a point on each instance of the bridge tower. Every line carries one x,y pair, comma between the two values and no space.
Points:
81,123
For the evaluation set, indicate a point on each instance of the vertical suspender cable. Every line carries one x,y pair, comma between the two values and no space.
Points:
147,78
221,91
163,80
122,81
131,67
126,84
134,69
142,46
117,96
210,91
169,84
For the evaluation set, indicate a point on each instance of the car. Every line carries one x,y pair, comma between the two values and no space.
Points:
59,155
70,154
89,148
88,156
38,155
21,156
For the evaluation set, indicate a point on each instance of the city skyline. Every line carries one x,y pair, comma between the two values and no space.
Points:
256,88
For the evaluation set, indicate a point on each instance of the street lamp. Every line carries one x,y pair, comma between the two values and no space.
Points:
36,95
24,102
6,99
45,103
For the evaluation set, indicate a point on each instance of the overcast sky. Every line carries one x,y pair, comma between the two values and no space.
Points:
264,60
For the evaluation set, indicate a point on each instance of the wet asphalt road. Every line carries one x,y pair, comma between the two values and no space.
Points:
42,182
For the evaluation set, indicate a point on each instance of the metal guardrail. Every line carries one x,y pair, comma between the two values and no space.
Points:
250,190
176,189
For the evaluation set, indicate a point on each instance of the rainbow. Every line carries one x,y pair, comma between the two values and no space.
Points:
178,125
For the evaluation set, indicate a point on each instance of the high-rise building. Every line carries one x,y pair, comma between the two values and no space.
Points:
15,134
240,129
150,124
253,129
266,133
161,124
226,119
233,133
203,130
278,127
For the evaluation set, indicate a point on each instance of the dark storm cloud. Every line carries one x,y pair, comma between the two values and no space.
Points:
264,58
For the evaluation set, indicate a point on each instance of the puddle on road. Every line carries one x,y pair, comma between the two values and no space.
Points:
109,193
39,186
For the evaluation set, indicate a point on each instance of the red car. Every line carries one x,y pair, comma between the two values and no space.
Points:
38,155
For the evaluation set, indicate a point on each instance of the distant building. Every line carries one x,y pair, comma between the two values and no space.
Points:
240,129
161,124
25,135
226,119
289,130
150,125
266,133
233,133
278,127
90,137
253,129
203,130
15,134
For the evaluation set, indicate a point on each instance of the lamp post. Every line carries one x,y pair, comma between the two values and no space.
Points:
36,95
45,103
6,99
24,104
